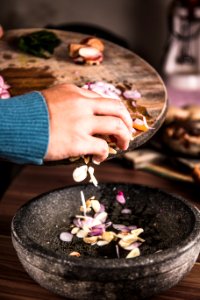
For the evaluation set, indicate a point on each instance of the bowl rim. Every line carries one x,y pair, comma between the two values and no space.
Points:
101,263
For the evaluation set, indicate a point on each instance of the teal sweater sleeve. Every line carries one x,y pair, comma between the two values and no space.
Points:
24,128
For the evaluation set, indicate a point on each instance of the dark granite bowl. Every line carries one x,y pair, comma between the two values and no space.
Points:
37,225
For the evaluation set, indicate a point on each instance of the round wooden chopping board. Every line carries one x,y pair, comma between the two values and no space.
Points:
25,73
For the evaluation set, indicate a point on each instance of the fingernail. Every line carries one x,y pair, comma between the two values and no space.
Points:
95,162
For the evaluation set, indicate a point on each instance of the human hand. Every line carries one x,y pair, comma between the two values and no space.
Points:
78,117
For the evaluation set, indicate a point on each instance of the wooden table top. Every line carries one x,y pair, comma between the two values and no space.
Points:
15,283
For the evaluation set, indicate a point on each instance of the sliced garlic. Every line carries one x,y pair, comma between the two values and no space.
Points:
133,253
80,173
86,159
90,240
92,177
95,205
112,150
102,217
81,234
108,236
75,230
102,243
125,244
137,231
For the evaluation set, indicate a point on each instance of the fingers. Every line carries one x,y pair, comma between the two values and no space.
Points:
110,107
98,147
113,126
81,91
102,106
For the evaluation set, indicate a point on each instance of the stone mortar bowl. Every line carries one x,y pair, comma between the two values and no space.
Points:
37,225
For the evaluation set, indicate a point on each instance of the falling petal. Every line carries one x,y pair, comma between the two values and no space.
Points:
92,177
80,173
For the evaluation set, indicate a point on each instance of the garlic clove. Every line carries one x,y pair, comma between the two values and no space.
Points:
80,173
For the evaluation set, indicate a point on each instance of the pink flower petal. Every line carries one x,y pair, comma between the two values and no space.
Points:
120,227
78,223
106,90
120,197
125,228
130,94
102,208
97,230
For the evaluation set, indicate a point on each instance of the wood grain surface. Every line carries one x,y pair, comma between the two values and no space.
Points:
25,73
15,284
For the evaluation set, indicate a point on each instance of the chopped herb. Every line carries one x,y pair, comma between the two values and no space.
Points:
40,43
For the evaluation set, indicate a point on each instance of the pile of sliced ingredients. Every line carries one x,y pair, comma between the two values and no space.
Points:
88,51
129,96
94,228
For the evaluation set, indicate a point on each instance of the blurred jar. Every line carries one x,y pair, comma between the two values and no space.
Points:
181,68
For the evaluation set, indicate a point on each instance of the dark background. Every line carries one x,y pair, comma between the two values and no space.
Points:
140,24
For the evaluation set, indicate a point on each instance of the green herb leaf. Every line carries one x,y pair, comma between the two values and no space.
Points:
40,43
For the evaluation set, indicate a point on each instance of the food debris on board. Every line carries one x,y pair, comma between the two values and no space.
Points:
94,228
4,93
89,51
120,92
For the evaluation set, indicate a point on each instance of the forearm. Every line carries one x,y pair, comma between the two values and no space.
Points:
24,128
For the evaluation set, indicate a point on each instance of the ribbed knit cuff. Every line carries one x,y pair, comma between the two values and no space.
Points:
24,128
